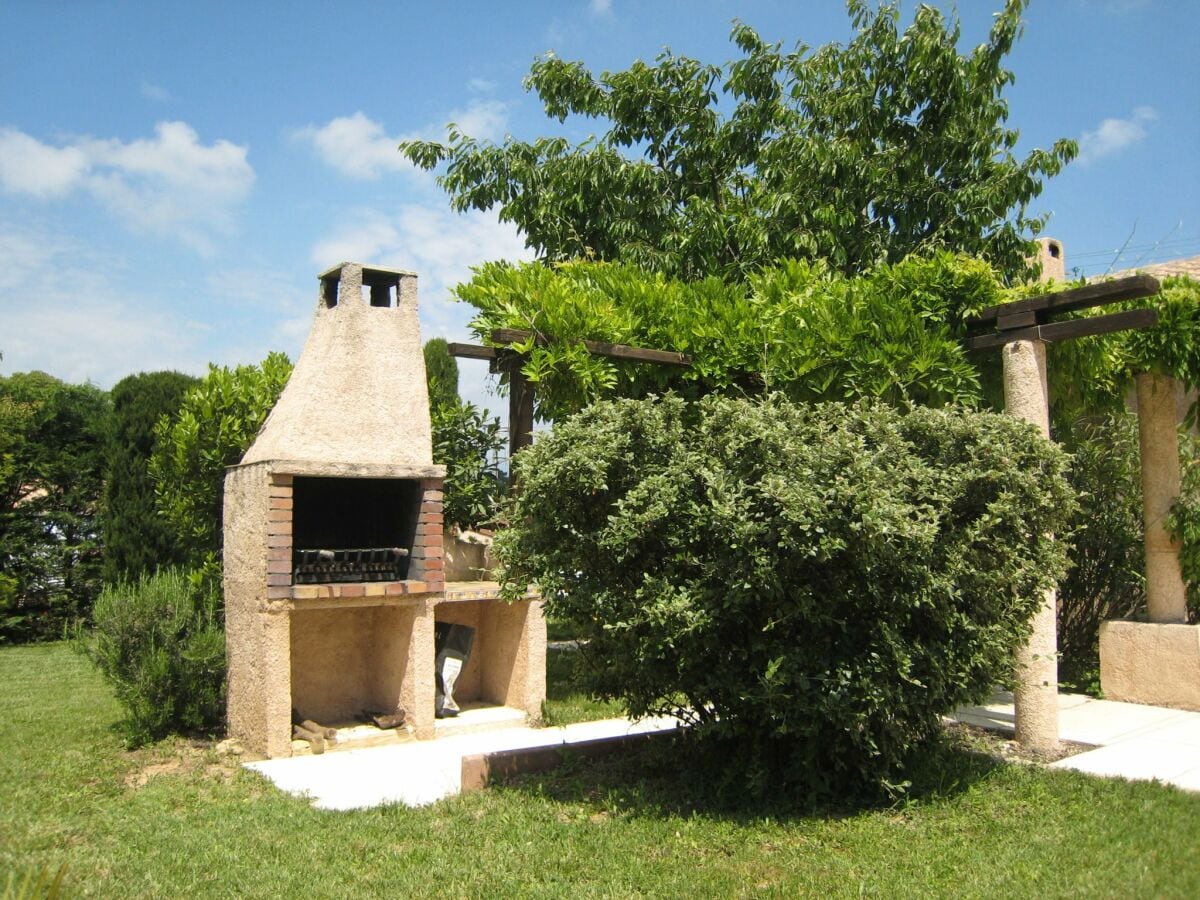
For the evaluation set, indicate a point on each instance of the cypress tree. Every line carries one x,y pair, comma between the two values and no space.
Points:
441,372
136,539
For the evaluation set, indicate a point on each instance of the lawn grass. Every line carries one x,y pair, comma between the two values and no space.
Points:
566,700
625,826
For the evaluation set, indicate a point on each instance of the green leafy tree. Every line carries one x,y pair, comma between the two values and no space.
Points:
855,154
52,462
137,540
441,373
216,423
812,586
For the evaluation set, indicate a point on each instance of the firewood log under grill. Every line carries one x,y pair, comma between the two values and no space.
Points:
325,566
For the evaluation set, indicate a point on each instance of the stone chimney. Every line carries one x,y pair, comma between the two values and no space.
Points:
1053,260
358,395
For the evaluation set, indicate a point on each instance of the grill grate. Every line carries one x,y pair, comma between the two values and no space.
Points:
322,566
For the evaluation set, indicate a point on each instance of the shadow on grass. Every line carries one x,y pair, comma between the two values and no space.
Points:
672,777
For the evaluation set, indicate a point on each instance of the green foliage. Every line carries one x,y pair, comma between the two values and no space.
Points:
441,373
216,423
891,334
160,642
466,442
812,586
1106,579
1171,347
1184,521
1091,376
857,154
51,467
136,538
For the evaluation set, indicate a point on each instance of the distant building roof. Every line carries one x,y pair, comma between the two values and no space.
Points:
1187,266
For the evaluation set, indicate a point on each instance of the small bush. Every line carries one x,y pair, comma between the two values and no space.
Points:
811,586
160,641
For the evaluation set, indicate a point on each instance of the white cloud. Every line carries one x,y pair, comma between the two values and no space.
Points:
601,7
355,146
441,246
156,92
481,85
27,166
78,324
170,183
1114,135
483,119
359,147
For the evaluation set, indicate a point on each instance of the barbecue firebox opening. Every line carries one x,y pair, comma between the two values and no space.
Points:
353,529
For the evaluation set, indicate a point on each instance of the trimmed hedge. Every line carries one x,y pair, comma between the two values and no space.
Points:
811,586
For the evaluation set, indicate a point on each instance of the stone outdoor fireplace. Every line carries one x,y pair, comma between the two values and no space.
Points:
334,572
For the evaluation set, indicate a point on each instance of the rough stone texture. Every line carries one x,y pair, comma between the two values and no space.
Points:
1053,258
246,499
1159,398
358,393
466,559
1036,694
1151,663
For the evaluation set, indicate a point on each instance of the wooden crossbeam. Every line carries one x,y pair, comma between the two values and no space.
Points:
472,351
1072,328
1021,313
599,348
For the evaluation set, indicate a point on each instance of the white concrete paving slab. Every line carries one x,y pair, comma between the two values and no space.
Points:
421,772
1132,741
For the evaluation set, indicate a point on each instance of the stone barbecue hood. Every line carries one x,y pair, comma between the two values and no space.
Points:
357,402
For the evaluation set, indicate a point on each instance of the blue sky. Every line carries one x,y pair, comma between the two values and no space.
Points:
173,176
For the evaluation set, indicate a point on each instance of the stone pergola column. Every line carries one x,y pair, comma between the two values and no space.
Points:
1036,694
1158,398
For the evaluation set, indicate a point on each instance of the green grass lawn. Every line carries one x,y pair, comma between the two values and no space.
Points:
175,820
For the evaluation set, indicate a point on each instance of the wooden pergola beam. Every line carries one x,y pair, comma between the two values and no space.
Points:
1072,328
1016,314
520,391
507,336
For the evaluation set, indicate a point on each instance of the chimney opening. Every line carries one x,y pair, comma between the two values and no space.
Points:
383,287
1054,250
382,295
329,290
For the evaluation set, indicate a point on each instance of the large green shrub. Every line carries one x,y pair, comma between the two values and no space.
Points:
160,641
811,586
215,425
